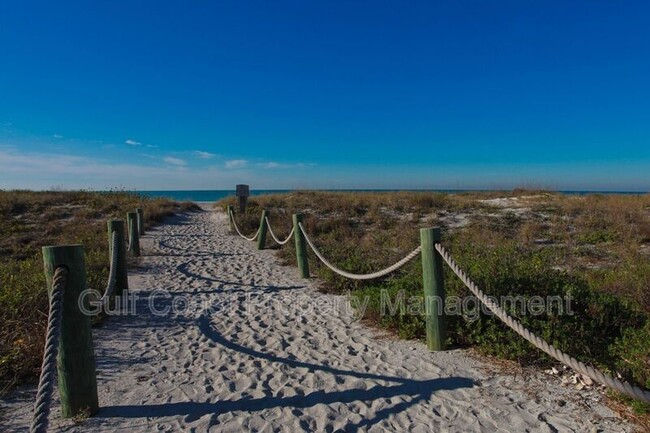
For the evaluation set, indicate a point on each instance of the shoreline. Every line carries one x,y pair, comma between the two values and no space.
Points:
215,195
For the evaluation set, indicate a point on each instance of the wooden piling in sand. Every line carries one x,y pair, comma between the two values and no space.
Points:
301,247
140,213
121,282
134,237
231,212
76,359
261,238
434,289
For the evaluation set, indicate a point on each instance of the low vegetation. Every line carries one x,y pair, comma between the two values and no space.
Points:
30,220
591,251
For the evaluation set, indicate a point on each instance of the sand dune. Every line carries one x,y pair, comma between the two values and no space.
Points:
252,347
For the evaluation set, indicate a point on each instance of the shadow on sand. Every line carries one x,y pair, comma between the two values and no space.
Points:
418,390
233,286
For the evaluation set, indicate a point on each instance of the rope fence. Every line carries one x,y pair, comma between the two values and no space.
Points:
433,256
71,346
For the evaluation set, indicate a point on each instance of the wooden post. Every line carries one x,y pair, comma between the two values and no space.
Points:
76,360
140,221
301,247
231,212
242,192
243,200
434,289
261,239
122,281
134,238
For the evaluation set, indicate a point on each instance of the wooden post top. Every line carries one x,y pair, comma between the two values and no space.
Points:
242,191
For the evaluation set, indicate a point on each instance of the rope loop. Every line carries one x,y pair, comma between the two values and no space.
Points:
234,223
268,224
352,276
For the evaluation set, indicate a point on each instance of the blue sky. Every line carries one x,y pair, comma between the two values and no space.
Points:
302,94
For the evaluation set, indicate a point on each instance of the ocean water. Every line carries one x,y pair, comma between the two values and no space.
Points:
202,195
214,195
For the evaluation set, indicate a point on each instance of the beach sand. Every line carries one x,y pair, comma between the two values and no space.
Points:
252,347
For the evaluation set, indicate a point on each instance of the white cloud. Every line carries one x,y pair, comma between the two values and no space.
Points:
21,169
133,142
273,164
152,146
175,161
57,136
203,155
13,162
236,163
42,170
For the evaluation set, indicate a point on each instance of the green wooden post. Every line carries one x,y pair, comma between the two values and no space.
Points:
231,211
434,289
76,359
134,238
140,213
301,247
122,281
261,239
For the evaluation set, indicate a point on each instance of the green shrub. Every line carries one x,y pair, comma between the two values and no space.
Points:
595,322
402,294
596,318
597,237
632,351
632,355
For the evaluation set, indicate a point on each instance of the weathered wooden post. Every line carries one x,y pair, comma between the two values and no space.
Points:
231,212
242,193
134,238
301,247
434,289
261,239
122,281
140,221
76,360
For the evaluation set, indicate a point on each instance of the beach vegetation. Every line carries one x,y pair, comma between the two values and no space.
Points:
30,220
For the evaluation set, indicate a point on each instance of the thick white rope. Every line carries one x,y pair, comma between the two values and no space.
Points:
240,234
112,273
346,274
40,419
268,224
514,324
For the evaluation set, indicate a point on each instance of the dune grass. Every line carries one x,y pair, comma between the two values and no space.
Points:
30,220
594,249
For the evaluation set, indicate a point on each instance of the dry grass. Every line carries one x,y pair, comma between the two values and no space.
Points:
30,220
605,237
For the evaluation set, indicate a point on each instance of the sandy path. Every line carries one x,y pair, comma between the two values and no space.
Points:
252,347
